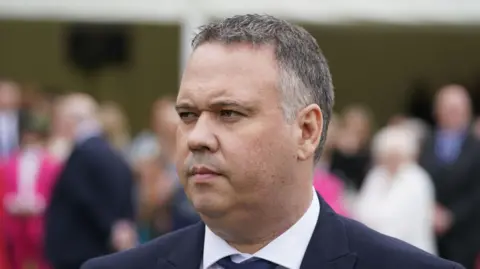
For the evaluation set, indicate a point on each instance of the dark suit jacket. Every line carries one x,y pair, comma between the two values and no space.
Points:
457,187
93,191
337,243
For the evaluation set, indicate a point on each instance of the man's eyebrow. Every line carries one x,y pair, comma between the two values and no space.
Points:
218,104
232,103
224,103
183,106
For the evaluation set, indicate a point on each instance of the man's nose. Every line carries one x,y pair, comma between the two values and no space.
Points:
202,137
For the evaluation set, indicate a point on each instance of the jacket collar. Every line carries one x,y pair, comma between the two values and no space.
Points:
328,247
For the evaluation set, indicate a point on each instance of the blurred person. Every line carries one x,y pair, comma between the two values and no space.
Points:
476,128
147,141
329,186
115,126
29,177
255,101
398,197
452,158
416,126
163,122
153,188
155,191
351,159
91,211
163,204
59,142
419,128
397,119
165,125
5,253
10,115
181,211
36,99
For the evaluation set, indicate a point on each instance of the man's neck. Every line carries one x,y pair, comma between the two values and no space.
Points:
461,129
262,229
87,129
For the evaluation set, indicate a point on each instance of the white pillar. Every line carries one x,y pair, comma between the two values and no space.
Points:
192,19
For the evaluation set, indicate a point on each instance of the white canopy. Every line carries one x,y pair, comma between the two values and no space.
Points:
317,11
192,13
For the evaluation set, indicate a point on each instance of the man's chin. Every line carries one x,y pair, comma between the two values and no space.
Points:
209,208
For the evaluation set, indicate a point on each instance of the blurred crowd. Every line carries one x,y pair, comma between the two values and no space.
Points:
75,183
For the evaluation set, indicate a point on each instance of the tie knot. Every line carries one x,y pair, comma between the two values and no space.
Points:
252,263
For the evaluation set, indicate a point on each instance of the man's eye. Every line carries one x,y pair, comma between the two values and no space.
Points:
229,113
187,115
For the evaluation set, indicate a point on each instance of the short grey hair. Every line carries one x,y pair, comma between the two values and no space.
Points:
304,74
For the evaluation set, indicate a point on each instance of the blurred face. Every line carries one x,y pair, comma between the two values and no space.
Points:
111,118
453,108
9,96
64,123
167,121
235,151
390,160
31,139
476,128
331,135
358,123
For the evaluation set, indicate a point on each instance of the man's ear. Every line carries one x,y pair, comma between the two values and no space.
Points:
310,124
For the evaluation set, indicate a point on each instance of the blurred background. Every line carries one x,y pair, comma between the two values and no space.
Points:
402,154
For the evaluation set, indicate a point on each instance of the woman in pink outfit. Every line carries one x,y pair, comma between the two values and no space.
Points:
329,186
4,255
29,177
331,189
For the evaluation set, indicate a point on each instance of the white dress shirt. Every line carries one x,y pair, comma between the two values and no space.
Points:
86,130
286,251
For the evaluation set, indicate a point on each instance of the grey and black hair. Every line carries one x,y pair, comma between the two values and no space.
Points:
304,74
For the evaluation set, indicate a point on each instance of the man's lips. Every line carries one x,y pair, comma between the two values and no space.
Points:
201,173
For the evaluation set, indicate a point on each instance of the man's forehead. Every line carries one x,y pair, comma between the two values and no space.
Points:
219,72
218,58
453,97
214,97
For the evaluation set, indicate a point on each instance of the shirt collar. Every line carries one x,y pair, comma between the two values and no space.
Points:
86,130
451,134
287,250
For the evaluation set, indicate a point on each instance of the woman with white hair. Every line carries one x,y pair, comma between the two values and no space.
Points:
398,196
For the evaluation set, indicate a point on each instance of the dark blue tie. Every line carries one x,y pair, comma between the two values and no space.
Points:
227,263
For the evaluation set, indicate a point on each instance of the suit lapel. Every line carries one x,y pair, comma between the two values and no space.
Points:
328,247
187,252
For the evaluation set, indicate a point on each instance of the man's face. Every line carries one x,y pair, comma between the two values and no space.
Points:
235,150
452,109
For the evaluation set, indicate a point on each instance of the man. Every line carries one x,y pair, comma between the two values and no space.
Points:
255,101
452,158
91,205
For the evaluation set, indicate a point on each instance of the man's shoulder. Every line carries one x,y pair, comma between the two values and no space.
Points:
375,250
144,256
